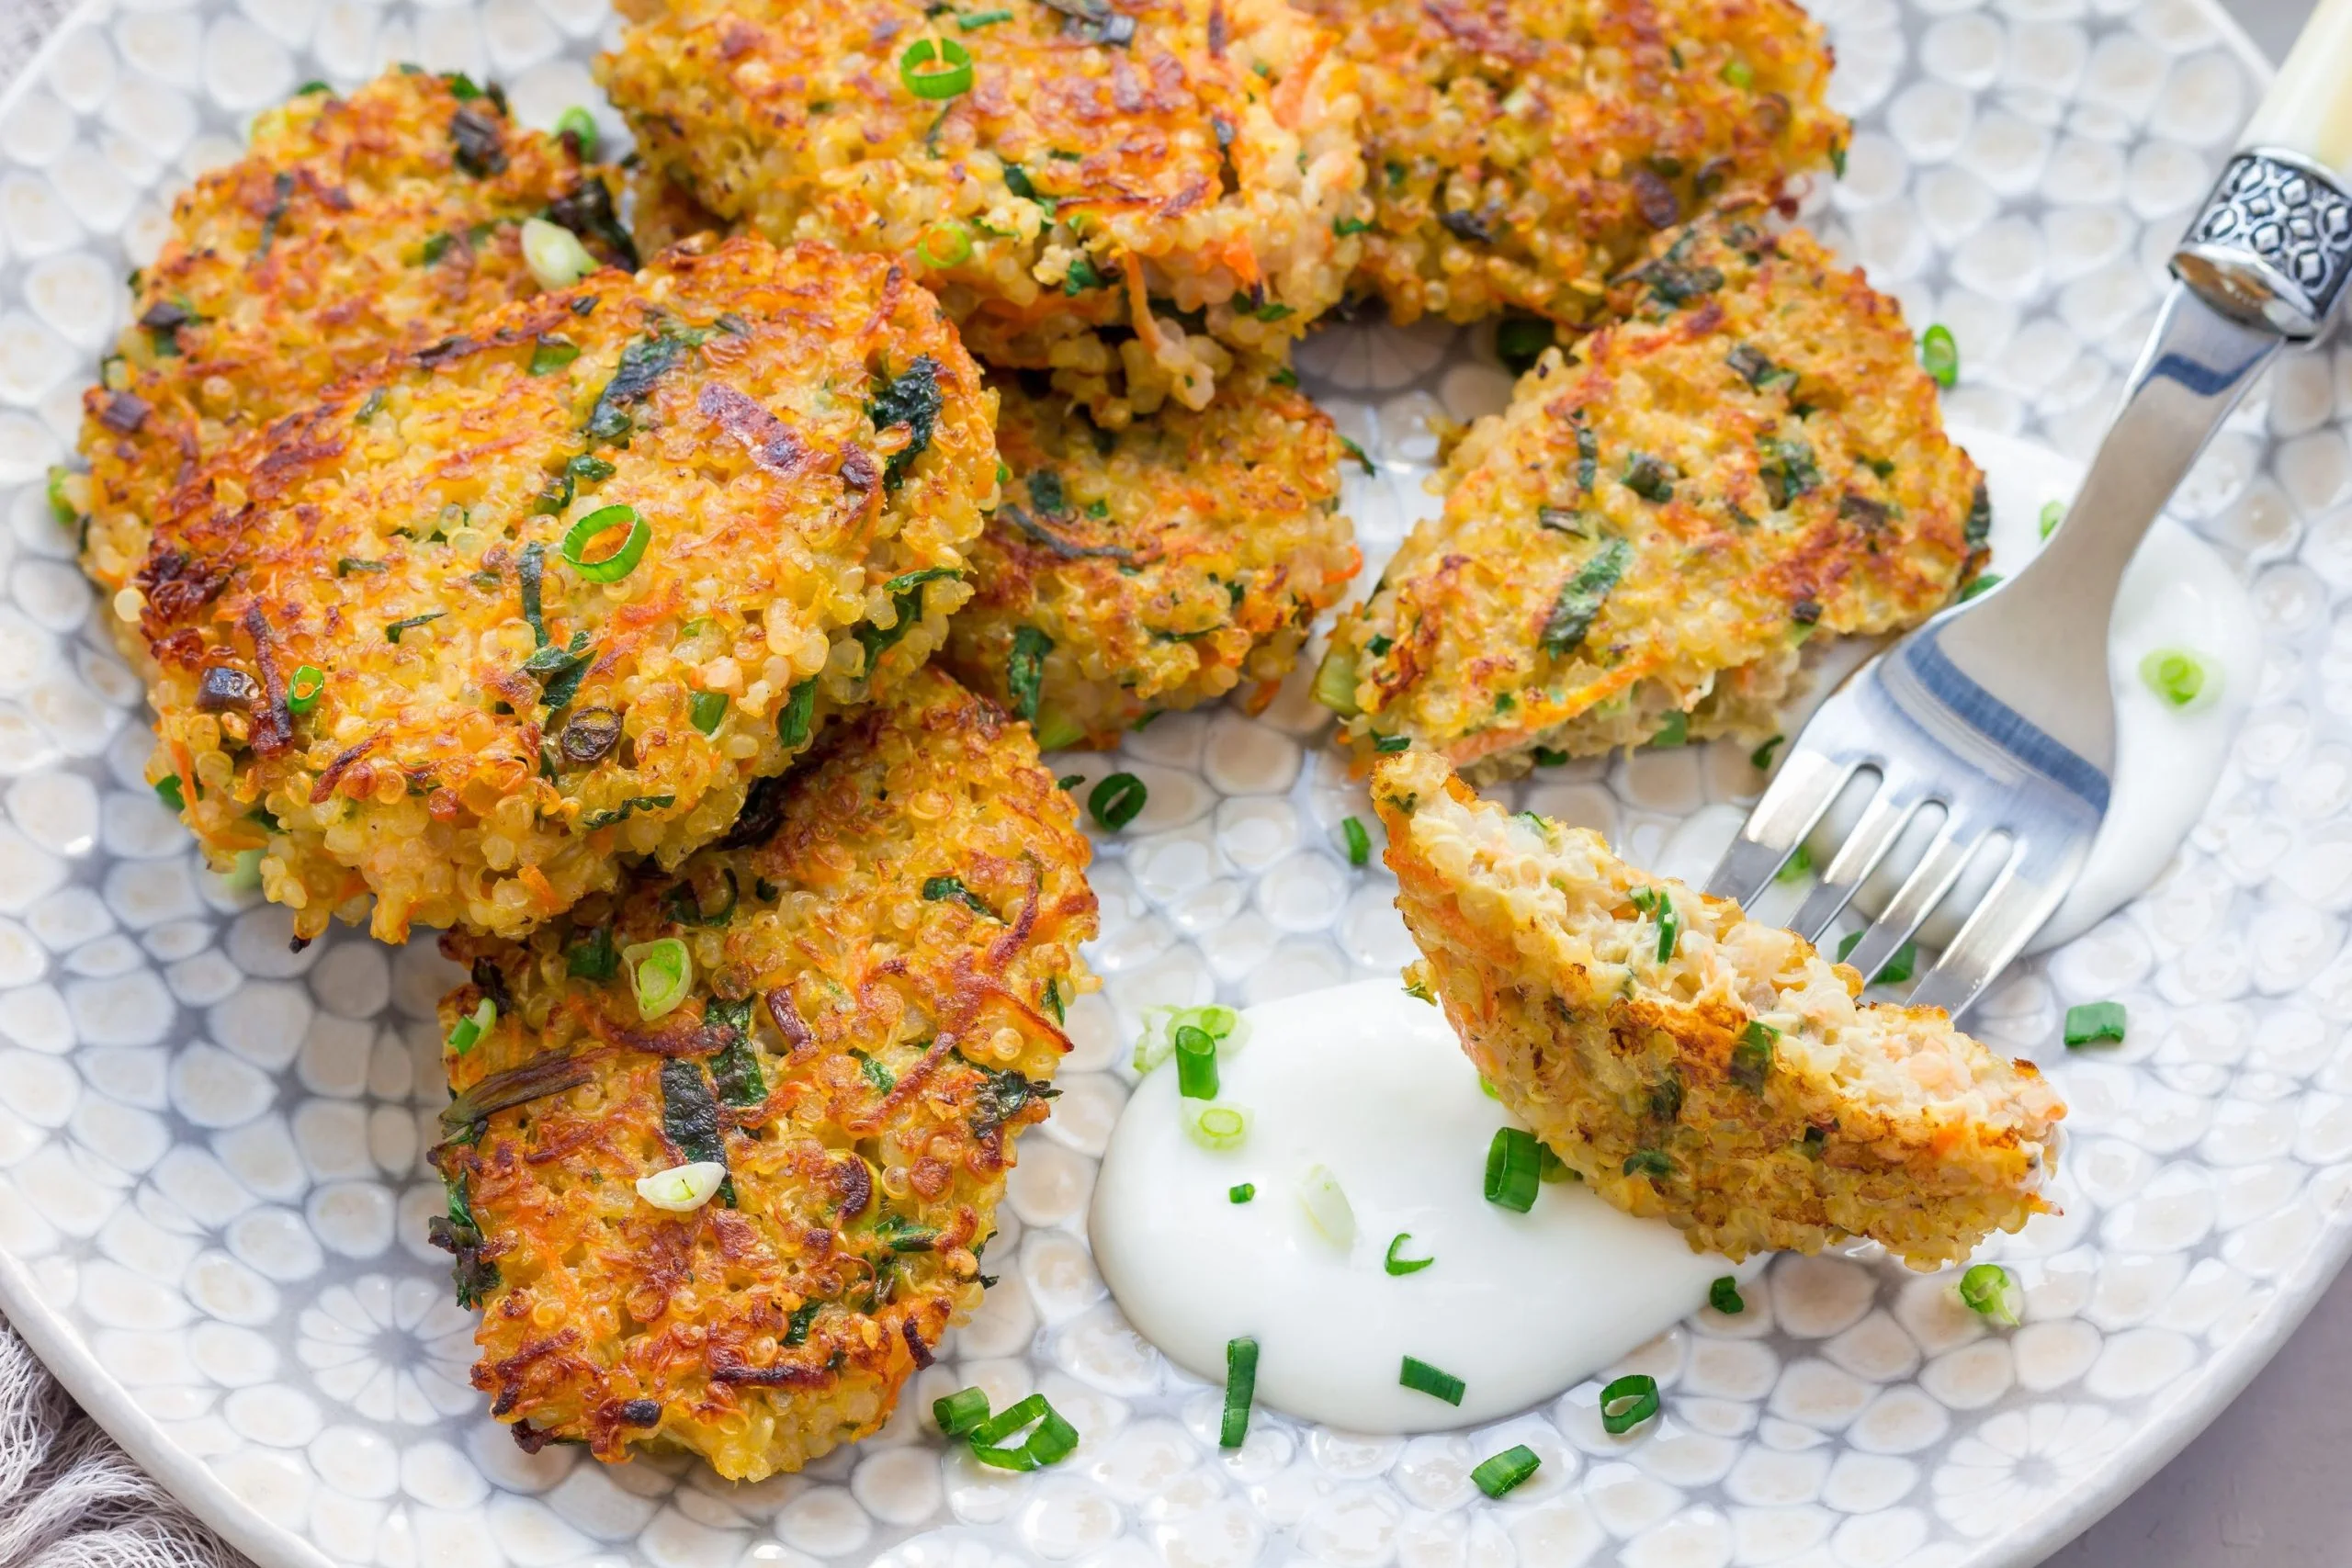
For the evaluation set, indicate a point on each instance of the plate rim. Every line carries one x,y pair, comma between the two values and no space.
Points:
68,1356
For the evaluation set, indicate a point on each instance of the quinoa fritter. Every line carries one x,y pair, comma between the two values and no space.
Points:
1637,547
877,981
1520,153
1200,155
355,227
568,582
1696,1065
1159,567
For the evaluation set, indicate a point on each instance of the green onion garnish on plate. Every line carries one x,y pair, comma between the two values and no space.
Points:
1514,1170
1195,1062
1218,1127
1399,1266
1628,1402
961,1411
2052,513
1506,1470
1359,841
1991,1291
1242,1193
1052,1441
1117,801
2092,1023
1422,1378
1240,1388
2180,677
1940,356
1724,1297
580,126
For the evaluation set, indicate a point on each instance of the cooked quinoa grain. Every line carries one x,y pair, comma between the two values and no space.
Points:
1639,546
525,563
354,227
1125,574
876,983
1693,1064
1124,196
1520,153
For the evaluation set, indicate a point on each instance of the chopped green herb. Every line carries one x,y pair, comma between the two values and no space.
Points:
1513,1169
1581,597
935,69
1938,352
1895,971
2177,675
2052,513
706,710
2092,1023
1024,670
1353,450
1724,1297
1241,1194
1761,758
1520,342
1396,1265
1240,1388
410,622
1422,1378
580,126
552,353
1991,1291
939,889
1117,801
1628,1402
1751,1057
792,720
1506,1470
1359,841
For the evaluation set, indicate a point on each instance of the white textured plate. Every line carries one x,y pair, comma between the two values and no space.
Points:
212,1198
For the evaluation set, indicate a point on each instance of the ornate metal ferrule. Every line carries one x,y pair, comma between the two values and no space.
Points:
2273,245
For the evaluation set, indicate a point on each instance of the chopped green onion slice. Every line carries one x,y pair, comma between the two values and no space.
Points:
1218,1127
1240,1388
1117,801
1241,1194
303,692
1222,1024
2092,1022
1195,1063
1551,1168
1658,903
662,973
706,710
935,69
1798,866
961,1411
1487,1087
1761,758
979,20
1940,354
1326,1205
1992,1291
1359,841
1422,1378
1513,1169
1398,1265
682,1189
1724,1297
1751,1055
579,124
792,720
469,1031
1897,967
1986,582
2052,513
1335,683
168,790
1739,73
554,253
1628,1402
2181,677
944,244
622,562
1506,1470
1053,1439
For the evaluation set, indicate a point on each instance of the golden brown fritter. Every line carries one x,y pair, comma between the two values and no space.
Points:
1520,153
1156,567
1639,546
879,963
799,450
352,227
1693,1064
661,215
1200,155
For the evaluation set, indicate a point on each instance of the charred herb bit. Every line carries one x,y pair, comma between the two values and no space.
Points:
162,322
481,147
1758,371
124,412
939,889
1673,284
1659,207
410,622
1045,493
457,1233
1094,22
735,1069
1002,1095
690,1119
1581,598
642,363
683,903
593,959
763,813
1788,470
491,981
1069,549
590,737
224,687
906,599
1520,342
281,192
540,1077
532,573
370,407
1980,518
902,1234
587,210
796,1328
559,669
626,809
910,397
1648,477
1587,454
1869,515
346,565
1751,1058
1463,225
1654,1163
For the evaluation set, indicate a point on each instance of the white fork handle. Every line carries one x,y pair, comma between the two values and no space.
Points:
2309,108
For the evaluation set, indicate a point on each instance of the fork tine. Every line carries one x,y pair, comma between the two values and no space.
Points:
1956,842
2029,889
1805,787
1881,824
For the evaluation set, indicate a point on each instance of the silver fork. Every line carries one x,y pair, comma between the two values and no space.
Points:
1998,710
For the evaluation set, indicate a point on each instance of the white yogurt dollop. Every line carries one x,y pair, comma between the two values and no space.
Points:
1371,1084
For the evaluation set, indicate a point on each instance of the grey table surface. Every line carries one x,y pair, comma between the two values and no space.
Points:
2265,1486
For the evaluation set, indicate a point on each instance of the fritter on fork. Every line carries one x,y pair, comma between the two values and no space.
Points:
1696,1065
859,1009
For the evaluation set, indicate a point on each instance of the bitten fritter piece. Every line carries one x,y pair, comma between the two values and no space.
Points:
1694,1064
557,590
352,228
873,971
1520,153
1159,567
1198,155
1638,547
